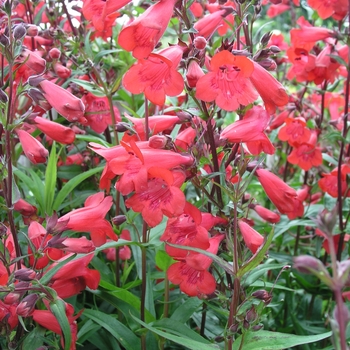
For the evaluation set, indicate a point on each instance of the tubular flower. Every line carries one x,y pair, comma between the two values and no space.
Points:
160,197
74,277
252,238
156,76
91,219
271,91
55,131
97,11
66,104
309,35
250,129
327,8
47,319
228,82
306,156
32,148
143,34
156,124
267,214
194,73
208,24
281,195
133,166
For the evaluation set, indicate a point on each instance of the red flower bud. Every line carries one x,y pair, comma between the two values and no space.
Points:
26,306
200,43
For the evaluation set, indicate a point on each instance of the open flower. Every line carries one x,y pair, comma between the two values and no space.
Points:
91,219
162,196
156,76
143,34
228,82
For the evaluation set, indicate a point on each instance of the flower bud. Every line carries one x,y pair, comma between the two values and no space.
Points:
32,30
194,73
262,295
25,275
26,306
3,96
55,53
53,226
265,38
4,40
184,116
118,220
200,43
19,32
274,49
158,141
121,127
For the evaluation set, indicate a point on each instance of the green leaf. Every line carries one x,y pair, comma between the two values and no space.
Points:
71,184
163,260
274,341
124,335
50,180
257,257
59,310
105,53
185,342
186,310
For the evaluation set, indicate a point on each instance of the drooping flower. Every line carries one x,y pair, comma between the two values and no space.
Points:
55,131
97,10
74,276
207,25
327,8
281,195
266,214
156,76
32,148
66,104
250,128
160,197
91,219
252,238
142,35
47,319
271,91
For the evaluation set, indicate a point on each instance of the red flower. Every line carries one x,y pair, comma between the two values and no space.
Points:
91,219
46,319
55,131
156,124
208,24
194,73
281,195
156,76
143,34
306,156
32,148
252,238
228,82
133,165
326,8
192,282
97,10
74,276
97,112
329,182
124,251
295,131
271,91
160,197
250,129
267,214
66,104
185,230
